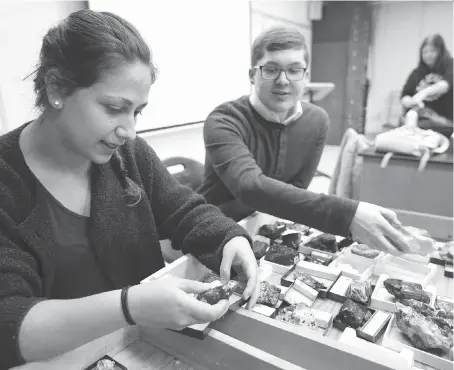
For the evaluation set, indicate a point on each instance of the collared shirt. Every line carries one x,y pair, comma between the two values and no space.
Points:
269,115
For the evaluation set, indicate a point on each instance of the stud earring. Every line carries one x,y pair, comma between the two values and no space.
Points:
57,102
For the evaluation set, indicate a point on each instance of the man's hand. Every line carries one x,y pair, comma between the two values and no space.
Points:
373,225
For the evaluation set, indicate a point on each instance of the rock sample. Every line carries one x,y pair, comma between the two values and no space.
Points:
292,240
309,280
316,260
300,228
352,314
214,295
447,307
422,325
405,290
360,291
365,251
297,314
282,255
272,231
446,251
418,243
324,242
344,243
259,248
269,294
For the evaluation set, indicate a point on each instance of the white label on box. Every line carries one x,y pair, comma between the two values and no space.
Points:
341,286
322,318
294,297
321,255
318,270
264,310
376,323
264,271
305,289
283,291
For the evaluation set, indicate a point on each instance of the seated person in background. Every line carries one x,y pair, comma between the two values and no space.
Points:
262,150
83,203
428,88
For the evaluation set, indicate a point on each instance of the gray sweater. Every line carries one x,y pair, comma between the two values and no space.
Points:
124,238
254,164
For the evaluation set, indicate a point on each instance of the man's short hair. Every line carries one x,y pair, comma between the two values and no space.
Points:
278,38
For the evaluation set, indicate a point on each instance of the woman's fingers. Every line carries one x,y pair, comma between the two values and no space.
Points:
193,286
202,312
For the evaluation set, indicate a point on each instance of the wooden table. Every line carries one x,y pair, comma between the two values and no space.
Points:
139,348
136,349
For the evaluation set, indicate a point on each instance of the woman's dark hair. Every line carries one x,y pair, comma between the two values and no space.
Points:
80,48
438,43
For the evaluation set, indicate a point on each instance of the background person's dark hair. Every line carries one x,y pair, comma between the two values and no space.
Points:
437,41
278,38
78,50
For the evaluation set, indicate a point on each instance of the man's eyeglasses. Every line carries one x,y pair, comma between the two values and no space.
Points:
273,72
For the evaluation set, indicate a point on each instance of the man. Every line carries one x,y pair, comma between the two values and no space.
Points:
262,151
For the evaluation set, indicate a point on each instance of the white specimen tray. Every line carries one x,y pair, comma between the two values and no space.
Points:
348,251
400,268
394,339
404,359
362,267
382,300
277,268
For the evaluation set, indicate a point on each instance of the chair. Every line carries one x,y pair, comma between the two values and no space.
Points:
346,178
187,171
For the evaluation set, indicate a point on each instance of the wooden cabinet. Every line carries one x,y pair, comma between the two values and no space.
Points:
401,186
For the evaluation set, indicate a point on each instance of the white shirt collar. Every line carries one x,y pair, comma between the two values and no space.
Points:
269,115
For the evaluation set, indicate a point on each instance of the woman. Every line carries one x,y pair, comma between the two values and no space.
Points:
83,204
428,89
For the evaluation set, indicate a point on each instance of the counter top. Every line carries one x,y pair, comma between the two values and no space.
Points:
439,158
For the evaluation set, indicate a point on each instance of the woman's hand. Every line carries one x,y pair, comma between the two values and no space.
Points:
409,102
372,225
166,303
238,254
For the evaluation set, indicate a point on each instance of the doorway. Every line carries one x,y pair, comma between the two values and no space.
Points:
329,64
339,55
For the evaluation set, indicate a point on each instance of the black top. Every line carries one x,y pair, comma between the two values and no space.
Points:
254,164
124,238
422,77
73,254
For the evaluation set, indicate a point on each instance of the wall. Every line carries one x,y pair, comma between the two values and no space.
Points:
264,14
186,141
40,15
20,49
202,60
397,31
330,37
340,51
